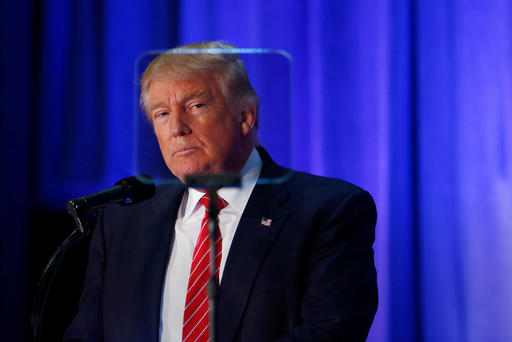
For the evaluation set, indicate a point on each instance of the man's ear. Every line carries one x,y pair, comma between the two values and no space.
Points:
248,118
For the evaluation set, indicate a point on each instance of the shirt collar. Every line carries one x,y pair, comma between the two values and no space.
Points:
236,197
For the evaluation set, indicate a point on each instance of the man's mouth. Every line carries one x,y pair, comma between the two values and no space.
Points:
184,151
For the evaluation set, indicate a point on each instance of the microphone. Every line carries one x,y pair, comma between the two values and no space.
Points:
127,191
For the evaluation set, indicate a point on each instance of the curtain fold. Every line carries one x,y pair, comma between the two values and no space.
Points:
408,99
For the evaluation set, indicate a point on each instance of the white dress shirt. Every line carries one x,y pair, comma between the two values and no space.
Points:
186,232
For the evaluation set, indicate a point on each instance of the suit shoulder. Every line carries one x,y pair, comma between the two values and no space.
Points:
330,198
325,194
326,186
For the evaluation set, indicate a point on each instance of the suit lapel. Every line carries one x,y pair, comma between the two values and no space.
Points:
249,248
156,239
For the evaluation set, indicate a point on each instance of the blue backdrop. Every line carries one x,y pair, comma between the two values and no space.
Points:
411,100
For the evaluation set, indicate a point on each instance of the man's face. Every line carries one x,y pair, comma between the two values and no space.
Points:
199,128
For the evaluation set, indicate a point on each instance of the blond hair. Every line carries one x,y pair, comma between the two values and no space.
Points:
187,60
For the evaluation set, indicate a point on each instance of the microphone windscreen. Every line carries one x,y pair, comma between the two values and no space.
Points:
138,188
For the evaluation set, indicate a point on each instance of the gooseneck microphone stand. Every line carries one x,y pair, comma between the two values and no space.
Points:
83,229
212,183
83,209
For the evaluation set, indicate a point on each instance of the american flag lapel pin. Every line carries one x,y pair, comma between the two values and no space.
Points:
266,222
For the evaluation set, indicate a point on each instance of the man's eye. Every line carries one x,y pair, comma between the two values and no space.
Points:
197,108
161,114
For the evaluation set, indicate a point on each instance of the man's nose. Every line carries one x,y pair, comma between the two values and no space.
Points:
179,125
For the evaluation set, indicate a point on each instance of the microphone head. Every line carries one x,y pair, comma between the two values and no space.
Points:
137,188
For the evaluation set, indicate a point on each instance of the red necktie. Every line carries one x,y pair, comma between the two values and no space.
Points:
196,318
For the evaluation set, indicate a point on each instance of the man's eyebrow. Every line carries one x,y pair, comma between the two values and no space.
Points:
184,98
196,94
158,104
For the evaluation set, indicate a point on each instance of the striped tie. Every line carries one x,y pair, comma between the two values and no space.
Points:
196,318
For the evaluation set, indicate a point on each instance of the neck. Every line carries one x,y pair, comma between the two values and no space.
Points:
245,153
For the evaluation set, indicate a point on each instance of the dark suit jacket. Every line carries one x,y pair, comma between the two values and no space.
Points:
310,276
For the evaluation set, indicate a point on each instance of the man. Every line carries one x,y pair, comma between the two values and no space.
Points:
295,261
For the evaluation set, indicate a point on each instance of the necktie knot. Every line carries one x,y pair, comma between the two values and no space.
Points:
221,203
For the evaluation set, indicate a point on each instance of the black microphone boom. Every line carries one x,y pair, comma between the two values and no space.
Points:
127,191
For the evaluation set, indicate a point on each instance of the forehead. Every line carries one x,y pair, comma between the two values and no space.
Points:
181,80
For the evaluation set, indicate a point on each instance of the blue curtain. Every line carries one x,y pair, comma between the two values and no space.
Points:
408,99
16,92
